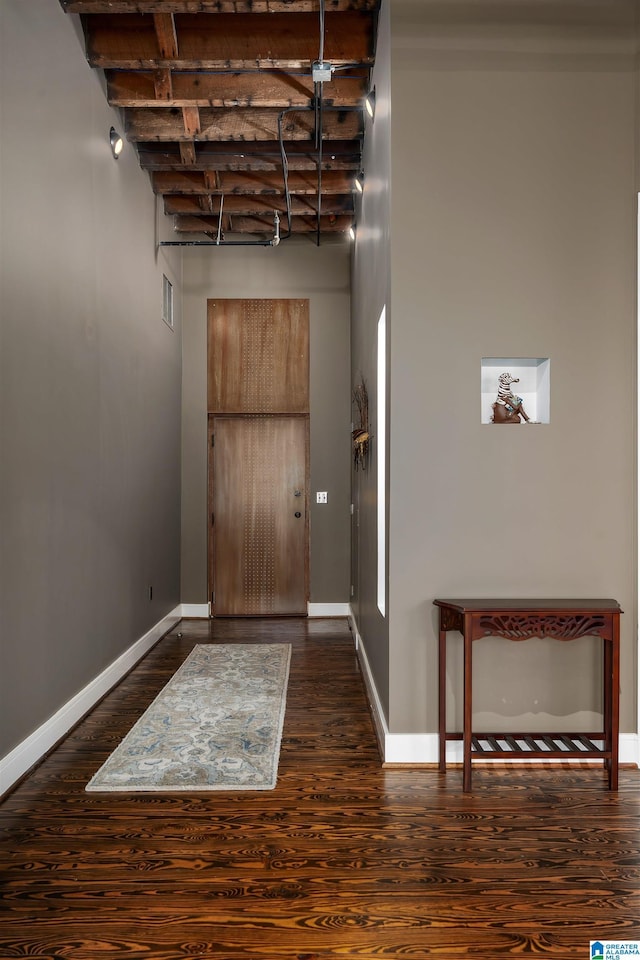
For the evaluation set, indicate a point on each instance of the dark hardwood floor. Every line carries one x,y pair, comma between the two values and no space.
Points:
344,859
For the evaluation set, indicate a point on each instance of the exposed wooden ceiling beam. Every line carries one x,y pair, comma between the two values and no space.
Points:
241,124
211,180
187,152
273,88
204,203
255,156
256,205
194,184
162,85
214,6
218,94
329,224
191,121
166,36
229,41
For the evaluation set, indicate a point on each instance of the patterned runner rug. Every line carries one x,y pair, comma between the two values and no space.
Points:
217,725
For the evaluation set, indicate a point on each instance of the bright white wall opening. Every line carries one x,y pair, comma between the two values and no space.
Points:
381,439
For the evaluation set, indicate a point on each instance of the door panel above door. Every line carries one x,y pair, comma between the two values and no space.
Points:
258,356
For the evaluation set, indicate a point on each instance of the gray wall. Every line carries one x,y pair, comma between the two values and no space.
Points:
519,239
370,293
513,234
89,381
292,270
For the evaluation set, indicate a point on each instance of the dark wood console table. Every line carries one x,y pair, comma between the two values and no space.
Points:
521,620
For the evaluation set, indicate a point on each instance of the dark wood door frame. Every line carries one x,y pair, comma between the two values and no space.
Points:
258,368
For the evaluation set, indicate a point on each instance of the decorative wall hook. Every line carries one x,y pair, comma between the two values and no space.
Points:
360,435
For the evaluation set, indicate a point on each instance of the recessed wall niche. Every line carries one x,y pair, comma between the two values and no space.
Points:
527,379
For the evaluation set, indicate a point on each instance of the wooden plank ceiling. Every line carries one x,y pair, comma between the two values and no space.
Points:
219,99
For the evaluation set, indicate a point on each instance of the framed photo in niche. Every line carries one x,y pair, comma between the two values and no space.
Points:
515,390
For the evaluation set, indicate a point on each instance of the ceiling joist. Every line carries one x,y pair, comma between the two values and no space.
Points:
216,6
241,124
272,88
264,224
166,36
218,99
255,205
229,41
251,184
187,152
256,156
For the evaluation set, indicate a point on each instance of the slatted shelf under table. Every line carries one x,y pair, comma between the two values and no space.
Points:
520,620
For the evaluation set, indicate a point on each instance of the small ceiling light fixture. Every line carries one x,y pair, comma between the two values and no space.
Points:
359,182
117,143
370,102
352,232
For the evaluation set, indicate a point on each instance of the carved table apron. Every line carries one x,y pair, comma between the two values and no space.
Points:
521,620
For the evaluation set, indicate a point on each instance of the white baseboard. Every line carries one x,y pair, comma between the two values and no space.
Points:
629,748
328,609
23,757
377,713
196,610
422,748
313,609
409,749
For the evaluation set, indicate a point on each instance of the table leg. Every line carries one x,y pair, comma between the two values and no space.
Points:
467,707
607,691
442,699
614,680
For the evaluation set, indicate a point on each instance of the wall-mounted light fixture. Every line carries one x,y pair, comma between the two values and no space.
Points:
370,102
117,143
359,182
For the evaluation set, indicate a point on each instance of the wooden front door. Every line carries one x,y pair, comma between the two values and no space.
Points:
258,402
258,470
